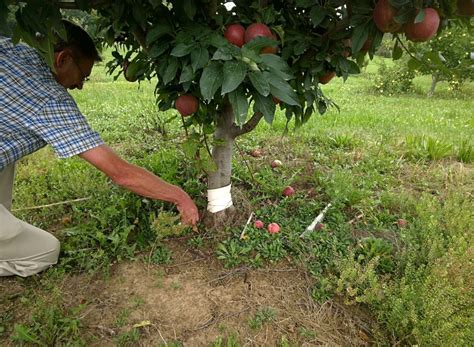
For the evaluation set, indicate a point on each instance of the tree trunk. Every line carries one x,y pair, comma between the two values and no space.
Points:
222,150
434,81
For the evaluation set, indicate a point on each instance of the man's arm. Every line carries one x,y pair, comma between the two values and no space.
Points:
141,181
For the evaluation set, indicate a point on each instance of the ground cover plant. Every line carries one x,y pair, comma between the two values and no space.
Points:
391,263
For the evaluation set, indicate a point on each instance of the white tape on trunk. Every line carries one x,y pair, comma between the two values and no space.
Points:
219,199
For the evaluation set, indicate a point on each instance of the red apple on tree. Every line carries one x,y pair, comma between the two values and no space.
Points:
384,17
187,104
273,228
235,34
424,30
257,29
288,191
324,79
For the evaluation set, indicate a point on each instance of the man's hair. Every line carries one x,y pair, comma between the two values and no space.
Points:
79,41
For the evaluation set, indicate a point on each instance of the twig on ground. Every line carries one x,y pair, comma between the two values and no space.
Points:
50,205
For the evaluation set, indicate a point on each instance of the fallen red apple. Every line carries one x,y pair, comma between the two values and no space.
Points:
276,163
273,228
324,79
384,17
288,191
187,104
235,34
257,29
256,153
466,7
424,30
402,223
259,224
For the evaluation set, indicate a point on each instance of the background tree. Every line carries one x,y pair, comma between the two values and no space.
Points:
454,47
180,44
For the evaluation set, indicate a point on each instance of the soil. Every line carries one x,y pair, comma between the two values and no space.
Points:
196,301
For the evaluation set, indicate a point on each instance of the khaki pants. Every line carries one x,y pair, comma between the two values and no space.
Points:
24,249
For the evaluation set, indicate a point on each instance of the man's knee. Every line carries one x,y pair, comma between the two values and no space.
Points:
29,251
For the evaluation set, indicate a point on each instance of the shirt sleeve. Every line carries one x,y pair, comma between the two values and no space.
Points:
61,124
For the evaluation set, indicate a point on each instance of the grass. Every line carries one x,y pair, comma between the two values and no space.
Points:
378,160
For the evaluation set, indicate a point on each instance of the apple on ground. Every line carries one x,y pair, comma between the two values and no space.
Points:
324,79
187,104
256,153
424,30
402,223
288,191
276,163
235,34
319,226
273,228
384,17
259,224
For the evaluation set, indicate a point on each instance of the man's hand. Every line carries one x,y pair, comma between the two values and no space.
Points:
189,211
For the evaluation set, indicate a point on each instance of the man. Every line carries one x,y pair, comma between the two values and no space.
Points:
35,110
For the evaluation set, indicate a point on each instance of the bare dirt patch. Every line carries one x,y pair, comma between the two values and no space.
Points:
196,302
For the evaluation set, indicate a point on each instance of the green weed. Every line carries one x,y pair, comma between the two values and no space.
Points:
263,315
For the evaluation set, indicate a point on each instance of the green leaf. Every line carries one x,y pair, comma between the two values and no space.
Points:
397,51
186,74
158,31
211,80
317,15
414,64
260,82
266,106
277,66
181,50
190,8
234,74
222,54
199,58
258,43
171,70
420,16
281,89
158,49
240,105
140,15
360,35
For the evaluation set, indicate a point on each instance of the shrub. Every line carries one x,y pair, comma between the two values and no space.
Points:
394,79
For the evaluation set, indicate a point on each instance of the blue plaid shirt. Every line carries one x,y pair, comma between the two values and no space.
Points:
35,110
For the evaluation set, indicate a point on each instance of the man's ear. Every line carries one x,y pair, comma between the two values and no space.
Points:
61,58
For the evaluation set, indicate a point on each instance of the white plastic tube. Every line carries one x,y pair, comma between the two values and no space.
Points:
219,199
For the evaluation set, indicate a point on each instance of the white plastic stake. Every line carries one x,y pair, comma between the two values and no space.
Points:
317,220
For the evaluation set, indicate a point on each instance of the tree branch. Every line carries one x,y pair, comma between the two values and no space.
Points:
247,127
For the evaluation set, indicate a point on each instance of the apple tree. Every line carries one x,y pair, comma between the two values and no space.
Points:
226,66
